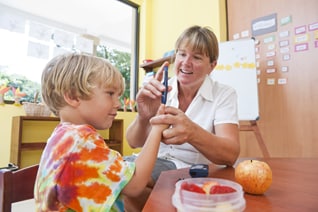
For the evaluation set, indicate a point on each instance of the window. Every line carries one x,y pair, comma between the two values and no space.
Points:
30,36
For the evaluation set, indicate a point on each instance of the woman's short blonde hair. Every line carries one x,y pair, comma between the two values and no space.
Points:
200,39
76,75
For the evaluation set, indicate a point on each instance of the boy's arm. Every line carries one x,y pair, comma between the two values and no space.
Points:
145,160
138,131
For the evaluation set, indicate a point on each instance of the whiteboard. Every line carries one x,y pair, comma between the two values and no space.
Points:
237,68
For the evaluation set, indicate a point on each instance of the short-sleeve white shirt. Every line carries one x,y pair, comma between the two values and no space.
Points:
214,103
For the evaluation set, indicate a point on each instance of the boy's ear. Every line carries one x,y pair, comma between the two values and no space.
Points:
71,99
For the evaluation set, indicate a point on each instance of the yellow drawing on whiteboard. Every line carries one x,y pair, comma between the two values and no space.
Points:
228,67
219,67
245,65
251,65
237,65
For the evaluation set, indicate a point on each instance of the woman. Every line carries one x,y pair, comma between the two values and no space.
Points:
202,113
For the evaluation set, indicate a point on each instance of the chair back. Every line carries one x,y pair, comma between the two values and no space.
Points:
16,186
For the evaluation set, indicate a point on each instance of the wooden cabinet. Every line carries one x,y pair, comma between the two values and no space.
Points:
29,135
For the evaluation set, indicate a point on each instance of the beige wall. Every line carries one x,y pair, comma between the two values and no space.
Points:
161,21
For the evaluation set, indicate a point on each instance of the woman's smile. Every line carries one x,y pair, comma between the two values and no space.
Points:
185,72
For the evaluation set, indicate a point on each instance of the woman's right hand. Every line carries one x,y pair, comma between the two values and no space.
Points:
149,96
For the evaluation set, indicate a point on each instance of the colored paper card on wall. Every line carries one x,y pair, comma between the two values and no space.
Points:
270,62
282,81
301,47
316,44
271,46
286,57
264,25
316,35
236,36
283,43
270,70
284,50
284,34
312,27
286,20
245,34
300,30
301,38
270,54
269,39
284,69
270,81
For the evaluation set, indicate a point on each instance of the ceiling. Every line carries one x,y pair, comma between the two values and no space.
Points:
107,19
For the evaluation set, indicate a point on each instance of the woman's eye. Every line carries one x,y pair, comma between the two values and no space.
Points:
197,57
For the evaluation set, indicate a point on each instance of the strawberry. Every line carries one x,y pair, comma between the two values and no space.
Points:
219,189
192,187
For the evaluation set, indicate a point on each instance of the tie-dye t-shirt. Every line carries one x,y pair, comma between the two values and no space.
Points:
79,172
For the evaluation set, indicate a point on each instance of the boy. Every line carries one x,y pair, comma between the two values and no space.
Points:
77,170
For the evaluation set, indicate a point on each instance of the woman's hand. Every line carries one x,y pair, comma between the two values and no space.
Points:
224,143
182,128
149,96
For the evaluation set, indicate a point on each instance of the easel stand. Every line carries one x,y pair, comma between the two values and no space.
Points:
252,126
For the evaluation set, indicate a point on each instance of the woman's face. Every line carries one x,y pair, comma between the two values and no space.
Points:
191,67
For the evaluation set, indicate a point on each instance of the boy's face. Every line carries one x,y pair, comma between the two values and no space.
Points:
101,109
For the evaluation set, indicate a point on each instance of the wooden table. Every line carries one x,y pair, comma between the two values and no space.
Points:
294,187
